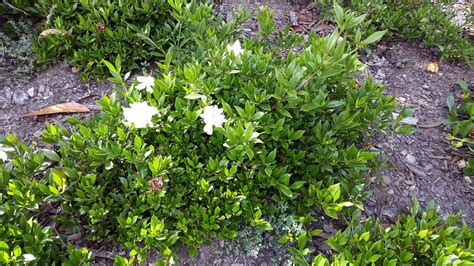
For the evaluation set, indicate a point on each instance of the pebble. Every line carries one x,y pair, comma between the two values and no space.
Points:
415,170
5,94
428,167
31,91
410,159
41,88
19,97
468,179
410,121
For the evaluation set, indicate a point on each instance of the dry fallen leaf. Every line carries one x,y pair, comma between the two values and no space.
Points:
60,108
433,67
297,28
52,31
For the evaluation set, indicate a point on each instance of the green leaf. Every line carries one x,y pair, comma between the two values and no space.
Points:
17,251
297,184
284,239
374,258
423,233
335,191
285,190
3,246
463,85
266,226
365,236
451,103
193,252
302,239
374,37
52,155
172,239
193,96
339,12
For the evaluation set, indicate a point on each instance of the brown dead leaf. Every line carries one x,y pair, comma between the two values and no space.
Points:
297,28
52,32
60,108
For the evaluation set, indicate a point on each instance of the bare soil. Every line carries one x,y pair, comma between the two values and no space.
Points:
57,84
423,164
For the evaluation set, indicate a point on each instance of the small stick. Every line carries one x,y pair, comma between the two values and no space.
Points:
13,7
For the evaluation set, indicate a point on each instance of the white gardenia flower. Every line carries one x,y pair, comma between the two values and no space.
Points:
139,114
235,48
212,117
146,83
3,155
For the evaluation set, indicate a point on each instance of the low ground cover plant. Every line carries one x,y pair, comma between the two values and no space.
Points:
424,20
89,31
462,123
420,237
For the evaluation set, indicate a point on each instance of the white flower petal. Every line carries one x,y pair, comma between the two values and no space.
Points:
3,156
28,257
139,114
140,86
255,135
212,116
145,83
235,48
208,129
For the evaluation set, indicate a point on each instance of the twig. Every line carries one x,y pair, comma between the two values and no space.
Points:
433,184
101,254
14,7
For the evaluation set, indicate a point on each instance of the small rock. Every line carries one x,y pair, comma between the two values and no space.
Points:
462,164
404,152
41,88
410,121
31,91
468,179
410,159
415,170
402,99
19,97
75,70
412,187
410,141
379,76
428,167
5,94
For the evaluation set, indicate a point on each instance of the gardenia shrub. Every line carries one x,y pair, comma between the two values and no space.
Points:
194,150
414,19
140,32
420,237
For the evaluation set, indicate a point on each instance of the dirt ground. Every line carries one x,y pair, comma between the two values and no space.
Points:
57,84
423,164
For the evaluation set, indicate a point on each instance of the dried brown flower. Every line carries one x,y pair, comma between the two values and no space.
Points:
156,184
